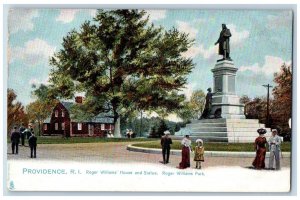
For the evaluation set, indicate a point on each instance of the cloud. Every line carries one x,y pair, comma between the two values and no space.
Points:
188,90
283,19
35,81
92,12
155,15
33,52
237,38
21,20
187,28
271,65
67,15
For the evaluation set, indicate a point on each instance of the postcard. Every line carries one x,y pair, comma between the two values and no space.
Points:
149,100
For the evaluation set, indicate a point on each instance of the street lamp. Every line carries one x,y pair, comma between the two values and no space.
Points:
268,99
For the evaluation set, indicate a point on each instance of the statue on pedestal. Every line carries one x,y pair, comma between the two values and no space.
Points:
207,108
223,41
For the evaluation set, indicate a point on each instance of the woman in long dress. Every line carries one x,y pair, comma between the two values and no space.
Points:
185,153
260,147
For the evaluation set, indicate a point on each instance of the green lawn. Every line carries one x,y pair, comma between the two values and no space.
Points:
61,140
286,146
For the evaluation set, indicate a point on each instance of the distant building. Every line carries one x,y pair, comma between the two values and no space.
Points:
61,122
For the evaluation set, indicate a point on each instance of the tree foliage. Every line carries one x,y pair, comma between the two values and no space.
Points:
280,103
15,110
123,63
282,92
193,108
42,107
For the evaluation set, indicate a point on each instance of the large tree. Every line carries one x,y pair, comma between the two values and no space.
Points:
122,63
15,110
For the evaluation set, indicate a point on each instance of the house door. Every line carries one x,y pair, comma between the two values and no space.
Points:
91,129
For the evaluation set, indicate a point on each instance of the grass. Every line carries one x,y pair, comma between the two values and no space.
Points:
72,140
237,147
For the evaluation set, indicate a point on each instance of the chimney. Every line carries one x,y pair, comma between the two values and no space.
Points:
79,99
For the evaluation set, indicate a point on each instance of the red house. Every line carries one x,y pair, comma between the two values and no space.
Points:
61,122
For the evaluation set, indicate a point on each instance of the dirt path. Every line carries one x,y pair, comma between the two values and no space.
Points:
116,153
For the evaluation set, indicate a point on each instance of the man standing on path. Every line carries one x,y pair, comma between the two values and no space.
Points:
32,141
274,147
166,142
22,132
15,140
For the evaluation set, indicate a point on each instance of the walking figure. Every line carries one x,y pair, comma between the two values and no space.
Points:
166,142
15,140
32,141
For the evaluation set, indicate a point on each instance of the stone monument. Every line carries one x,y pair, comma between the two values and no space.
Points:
226,121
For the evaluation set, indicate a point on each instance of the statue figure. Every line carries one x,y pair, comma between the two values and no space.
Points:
223,42
207,108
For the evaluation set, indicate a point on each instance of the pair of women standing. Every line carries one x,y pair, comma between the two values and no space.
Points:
185,153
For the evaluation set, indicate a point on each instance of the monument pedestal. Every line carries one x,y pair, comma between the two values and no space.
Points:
225,103
227,121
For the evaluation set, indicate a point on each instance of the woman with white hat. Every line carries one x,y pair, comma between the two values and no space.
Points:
185,152
199,153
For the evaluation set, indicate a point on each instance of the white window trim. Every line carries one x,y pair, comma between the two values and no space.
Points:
56,126
63,126
102,127
56,113
79,126
62,113
45,127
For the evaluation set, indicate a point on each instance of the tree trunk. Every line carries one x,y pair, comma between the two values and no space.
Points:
117,131
39,128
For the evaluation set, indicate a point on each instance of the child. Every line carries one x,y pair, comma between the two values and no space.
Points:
199,153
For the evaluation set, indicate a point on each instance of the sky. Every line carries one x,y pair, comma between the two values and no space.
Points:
261,42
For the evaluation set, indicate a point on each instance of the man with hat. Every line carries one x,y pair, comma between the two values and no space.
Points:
274,148
166,142
15,140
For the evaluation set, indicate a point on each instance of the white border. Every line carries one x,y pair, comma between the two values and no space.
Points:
159,3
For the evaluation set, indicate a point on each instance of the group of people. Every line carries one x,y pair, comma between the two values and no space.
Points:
186,143
17,135
274,143
261,142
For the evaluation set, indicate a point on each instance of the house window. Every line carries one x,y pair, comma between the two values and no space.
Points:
63,126
79,126
63,113
56,126
102,127
45,127
56,113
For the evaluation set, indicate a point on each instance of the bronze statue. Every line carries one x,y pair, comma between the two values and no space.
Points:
207,108
223,42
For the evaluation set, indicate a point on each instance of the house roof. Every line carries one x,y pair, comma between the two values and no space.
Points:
104,117
67,105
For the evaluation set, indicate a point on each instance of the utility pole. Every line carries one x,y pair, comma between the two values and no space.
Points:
268,99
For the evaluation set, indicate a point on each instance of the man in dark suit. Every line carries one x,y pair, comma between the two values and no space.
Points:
15,140
166,142
32,141
22,132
